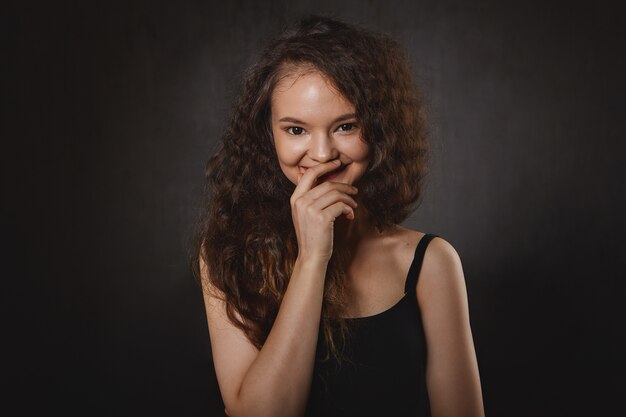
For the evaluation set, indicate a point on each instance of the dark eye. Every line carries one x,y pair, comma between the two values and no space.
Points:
346,127
295,130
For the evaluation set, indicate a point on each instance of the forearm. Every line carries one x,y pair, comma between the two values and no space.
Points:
279,380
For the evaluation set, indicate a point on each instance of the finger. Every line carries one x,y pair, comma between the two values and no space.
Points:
328,186
333,197
308,178
339,209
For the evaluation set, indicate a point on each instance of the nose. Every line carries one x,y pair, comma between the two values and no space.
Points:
322,148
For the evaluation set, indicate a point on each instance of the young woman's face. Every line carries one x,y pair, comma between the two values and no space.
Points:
313,123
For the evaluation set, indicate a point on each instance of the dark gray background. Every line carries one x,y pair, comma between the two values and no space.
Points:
111,110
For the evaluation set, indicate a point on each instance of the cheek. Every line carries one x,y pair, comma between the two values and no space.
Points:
288,154
288,160
360,152
365,154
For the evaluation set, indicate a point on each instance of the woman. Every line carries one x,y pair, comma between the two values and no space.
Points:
311,286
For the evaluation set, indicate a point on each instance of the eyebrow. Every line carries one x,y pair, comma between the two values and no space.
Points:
338,119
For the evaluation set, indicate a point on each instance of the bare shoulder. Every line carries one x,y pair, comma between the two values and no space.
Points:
441,276
438,248
438,251
440,254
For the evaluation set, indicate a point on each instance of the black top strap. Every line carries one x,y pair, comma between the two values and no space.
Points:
416,265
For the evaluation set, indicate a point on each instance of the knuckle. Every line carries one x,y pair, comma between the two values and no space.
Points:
325,186
333,194
338,191
299,202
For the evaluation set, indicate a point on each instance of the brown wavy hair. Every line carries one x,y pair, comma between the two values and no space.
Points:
246,236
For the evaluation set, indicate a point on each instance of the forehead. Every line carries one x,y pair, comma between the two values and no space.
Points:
302,88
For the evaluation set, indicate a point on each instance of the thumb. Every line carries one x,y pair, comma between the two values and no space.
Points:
299,178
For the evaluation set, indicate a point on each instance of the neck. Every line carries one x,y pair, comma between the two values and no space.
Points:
350,233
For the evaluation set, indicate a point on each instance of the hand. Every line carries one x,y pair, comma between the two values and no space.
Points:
315,208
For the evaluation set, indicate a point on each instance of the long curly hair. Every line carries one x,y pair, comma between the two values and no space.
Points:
246,237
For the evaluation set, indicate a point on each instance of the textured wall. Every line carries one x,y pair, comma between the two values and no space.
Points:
112,110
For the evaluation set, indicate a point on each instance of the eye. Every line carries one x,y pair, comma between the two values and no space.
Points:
346,127
295,130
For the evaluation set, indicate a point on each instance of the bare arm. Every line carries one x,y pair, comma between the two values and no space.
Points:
276,380
452,371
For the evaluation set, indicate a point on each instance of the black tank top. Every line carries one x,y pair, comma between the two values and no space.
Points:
386,374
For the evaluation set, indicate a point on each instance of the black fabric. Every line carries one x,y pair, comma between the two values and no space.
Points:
386,374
